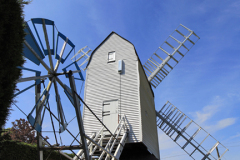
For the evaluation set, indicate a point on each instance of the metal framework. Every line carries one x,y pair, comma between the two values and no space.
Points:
192,138
106,145
36,53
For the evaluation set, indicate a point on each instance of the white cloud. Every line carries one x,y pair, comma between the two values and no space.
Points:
234,95
235,136
208,111
222,124
225,123
203,116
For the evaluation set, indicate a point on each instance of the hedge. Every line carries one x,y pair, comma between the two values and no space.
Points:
15,150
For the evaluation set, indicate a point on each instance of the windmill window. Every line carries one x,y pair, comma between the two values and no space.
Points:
111,56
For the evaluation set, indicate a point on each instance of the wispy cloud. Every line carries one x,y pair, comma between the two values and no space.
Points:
234,95
208,111
235,136
222,124
203,116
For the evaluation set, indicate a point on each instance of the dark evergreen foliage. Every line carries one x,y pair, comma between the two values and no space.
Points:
13,150
11,39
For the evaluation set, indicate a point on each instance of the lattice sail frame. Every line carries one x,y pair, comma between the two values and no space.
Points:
192,138
167,56
83,54
35,50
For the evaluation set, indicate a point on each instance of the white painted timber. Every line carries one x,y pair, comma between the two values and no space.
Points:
130,88
148,116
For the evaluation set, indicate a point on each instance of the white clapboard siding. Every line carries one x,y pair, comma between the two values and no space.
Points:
148,115
131,89
103,83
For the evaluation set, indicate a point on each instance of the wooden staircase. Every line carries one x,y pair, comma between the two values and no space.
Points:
104,145
97,153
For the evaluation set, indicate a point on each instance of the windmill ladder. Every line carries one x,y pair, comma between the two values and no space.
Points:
105,146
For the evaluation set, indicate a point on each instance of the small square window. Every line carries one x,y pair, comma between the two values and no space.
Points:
111,56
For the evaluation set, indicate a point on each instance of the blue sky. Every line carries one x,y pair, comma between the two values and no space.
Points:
204,85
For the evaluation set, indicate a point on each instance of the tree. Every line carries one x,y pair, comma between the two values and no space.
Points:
11,39
23,131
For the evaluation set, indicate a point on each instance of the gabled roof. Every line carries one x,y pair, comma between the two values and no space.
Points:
125,40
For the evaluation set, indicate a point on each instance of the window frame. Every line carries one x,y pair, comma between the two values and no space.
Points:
114,57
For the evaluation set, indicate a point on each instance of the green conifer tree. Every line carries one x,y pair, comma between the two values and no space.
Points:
11,39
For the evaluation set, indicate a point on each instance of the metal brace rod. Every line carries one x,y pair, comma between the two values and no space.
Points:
79,116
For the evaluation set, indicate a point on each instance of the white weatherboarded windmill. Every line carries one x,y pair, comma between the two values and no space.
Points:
119,120
116,85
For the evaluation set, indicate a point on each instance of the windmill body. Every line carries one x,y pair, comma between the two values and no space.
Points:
116,85
119,117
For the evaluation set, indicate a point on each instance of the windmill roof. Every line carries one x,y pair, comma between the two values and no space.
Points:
125,40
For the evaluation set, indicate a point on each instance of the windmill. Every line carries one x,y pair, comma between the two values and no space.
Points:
118,86
37,46
173,122
119,117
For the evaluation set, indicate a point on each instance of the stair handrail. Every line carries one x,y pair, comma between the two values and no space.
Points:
90,144
116,130
80,152
121,126
99,141
120,146
104,150
116,138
